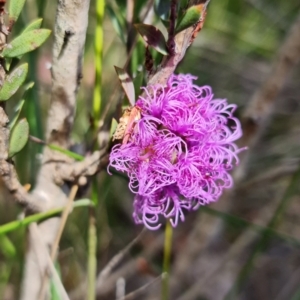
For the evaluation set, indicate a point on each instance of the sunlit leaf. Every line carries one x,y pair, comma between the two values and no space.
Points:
41,216
19,137
36,24
127,84
153,37
7,247
191,17
13,81
26,42
14,10
54,288
113,127
28,85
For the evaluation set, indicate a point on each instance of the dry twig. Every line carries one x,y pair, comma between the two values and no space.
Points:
116,259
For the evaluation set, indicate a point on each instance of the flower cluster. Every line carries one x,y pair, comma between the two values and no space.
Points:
179,151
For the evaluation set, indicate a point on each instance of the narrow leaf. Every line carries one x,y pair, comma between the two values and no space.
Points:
18,110
138,82
19,137
127,84
153,37
41,216
13,81
14,10
162,9
26,42
19,106
36,24
7,247
191,17
68,153
54,288
116,22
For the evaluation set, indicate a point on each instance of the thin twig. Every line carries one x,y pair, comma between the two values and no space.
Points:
139,291
291,286
63,220
40,246
55,244
116,259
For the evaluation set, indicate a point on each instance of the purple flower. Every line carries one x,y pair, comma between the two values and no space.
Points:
180,151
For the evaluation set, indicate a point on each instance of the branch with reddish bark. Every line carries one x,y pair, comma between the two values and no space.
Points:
182,41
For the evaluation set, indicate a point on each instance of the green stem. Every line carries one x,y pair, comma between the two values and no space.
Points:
97,101
98,59
167,259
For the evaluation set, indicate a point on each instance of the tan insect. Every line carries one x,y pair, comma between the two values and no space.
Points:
126,124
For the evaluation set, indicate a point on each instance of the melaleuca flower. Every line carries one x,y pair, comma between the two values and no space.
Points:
179,153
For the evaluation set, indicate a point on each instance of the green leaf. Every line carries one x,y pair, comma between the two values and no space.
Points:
7,247
14,10
68,153
127,84
191,17
18,109
36,24
55,293
138,82
13,81
28,86
19,106
26,42
116,22
11,226
19,137
113,127
162,9
153,37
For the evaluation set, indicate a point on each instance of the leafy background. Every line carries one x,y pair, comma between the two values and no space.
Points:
218,248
